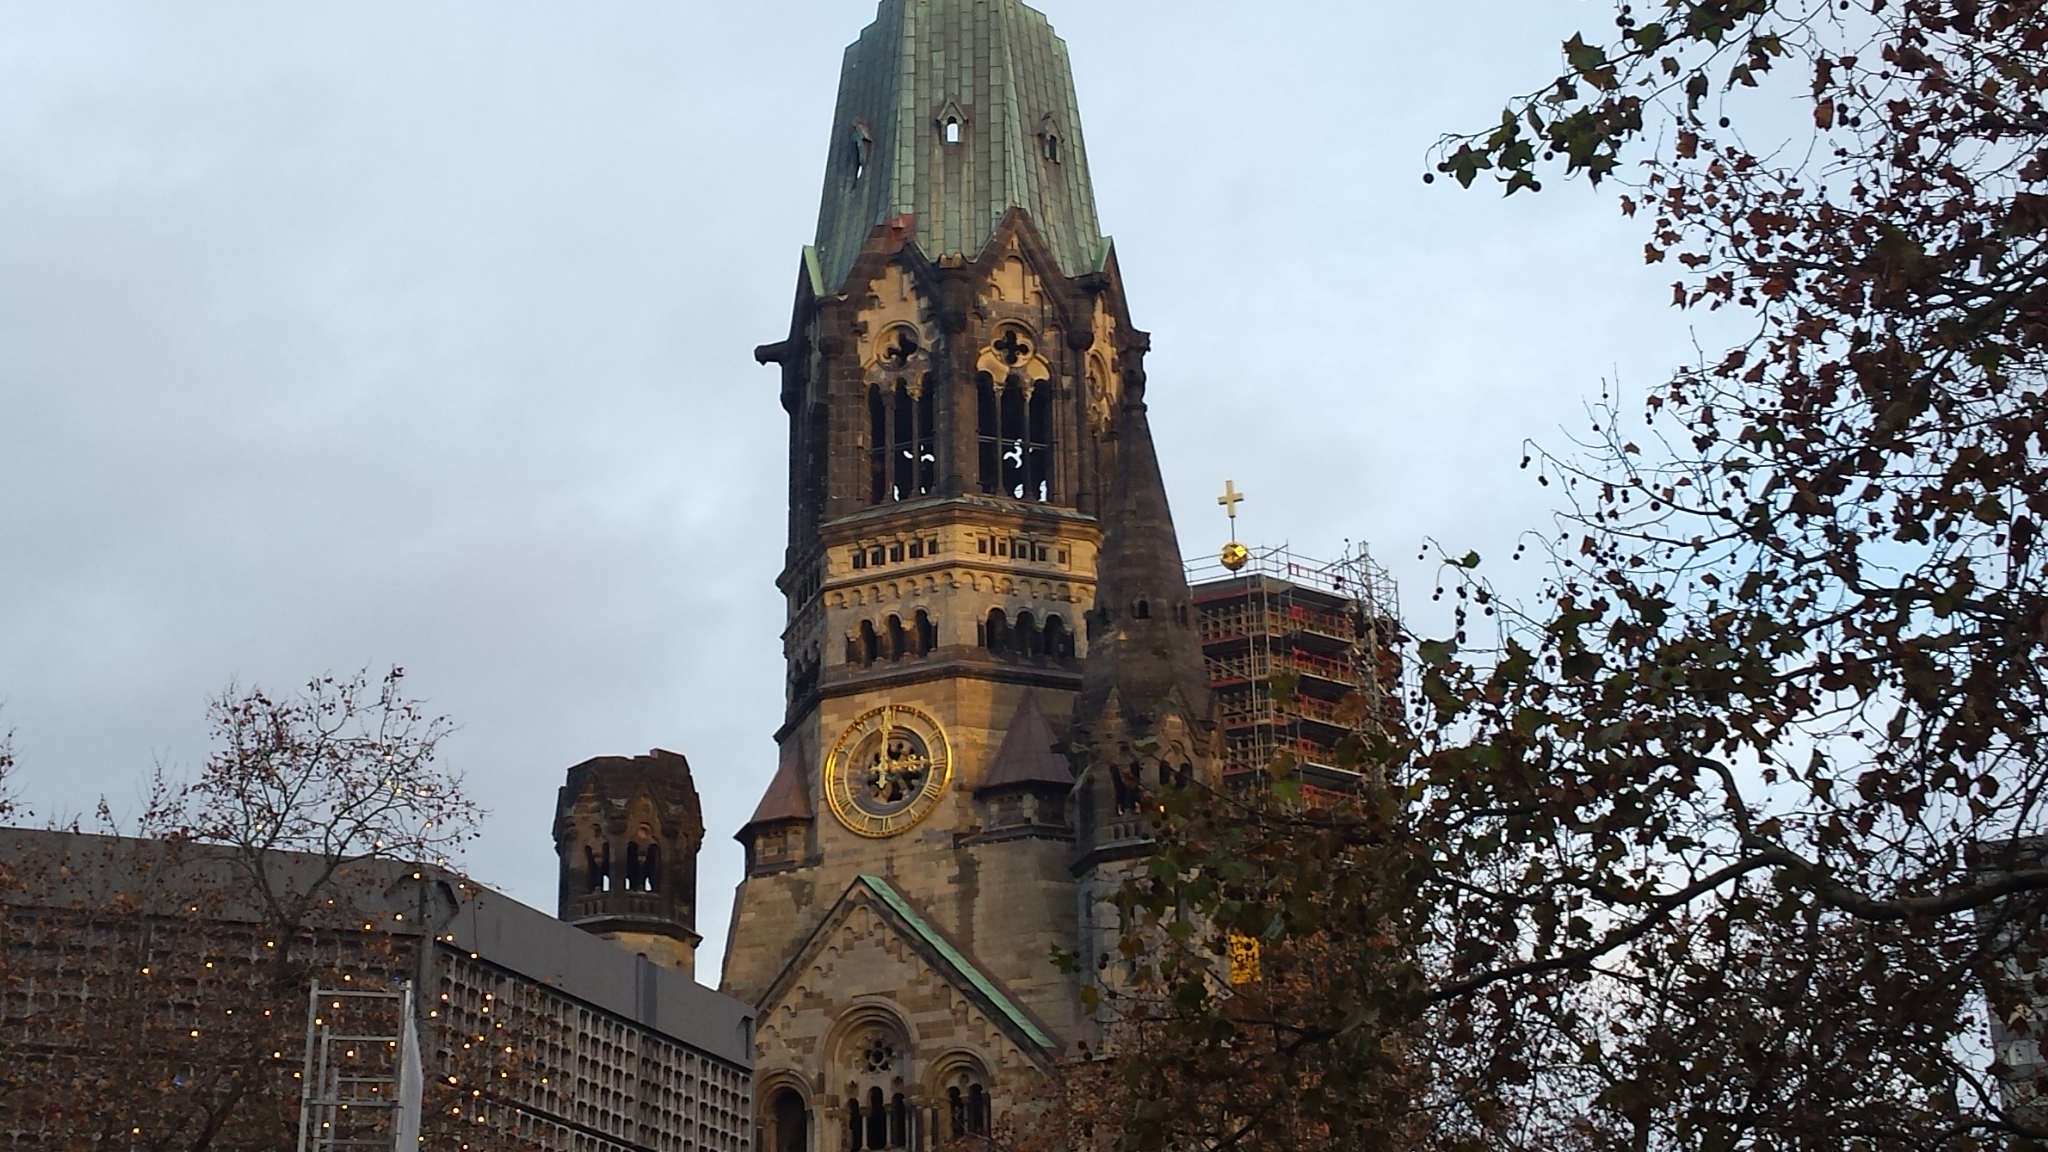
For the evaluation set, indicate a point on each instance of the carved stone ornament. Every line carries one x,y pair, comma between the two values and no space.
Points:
877,1054
1013,356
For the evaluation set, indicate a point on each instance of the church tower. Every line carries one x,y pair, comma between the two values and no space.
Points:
627,832
969,458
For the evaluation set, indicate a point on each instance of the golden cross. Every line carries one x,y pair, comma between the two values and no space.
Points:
1230,499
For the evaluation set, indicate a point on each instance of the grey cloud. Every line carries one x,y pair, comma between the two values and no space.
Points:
387,332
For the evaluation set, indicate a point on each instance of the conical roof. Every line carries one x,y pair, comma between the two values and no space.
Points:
1142,645
1026,758
786,798
996,68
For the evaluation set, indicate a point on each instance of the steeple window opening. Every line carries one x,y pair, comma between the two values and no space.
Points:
863,147
1049,138
1015,434
951,130
903,459
643,867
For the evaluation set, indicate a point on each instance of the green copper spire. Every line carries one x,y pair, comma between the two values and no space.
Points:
951,112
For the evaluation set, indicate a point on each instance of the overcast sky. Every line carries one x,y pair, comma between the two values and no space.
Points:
390,331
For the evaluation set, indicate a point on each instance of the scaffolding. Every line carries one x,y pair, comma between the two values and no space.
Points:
1303,656
362,1080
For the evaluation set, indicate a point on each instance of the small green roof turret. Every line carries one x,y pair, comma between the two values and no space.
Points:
952,112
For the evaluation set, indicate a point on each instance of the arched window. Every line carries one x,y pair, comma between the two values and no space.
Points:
989,428
895,644
966,1106
878,1120
927,633
792,1122
1038,447
593,875
856,1131
903,445
633,866
1013,442
1142,610
977,1111
903,459
996,632
927,443
651,868
1016,437
899,1122
870,644
1059,641
1124,781
1028,641
878,446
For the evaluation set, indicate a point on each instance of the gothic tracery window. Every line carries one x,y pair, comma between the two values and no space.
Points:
1014,427
903,459
877,1111
967,1105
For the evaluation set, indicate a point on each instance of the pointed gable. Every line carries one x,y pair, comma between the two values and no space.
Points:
786,798
1026,758
921,953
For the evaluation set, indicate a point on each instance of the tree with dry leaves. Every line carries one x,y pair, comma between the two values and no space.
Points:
156,986
1728,838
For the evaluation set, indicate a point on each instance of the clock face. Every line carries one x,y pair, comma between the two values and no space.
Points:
888,770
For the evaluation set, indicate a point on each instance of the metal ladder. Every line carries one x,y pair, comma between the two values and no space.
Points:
362,1080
